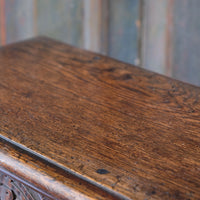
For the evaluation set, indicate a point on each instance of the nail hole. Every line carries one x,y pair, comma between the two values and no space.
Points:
96,58
102,171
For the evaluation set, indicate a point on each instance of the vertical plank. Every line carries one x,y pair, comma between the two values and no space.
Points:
19,23
186,41
169,38
154,36
124,24
96,25
61,20
104,26
2,23
92,24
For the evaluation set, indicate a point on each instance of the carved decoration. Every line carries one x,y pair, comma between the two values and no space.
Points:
11,189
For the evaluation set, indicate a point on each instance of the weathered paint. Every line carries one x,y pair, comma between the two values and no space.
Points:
19,23
186,41
92,24
123,30
2,23
61,20
169,36
154,35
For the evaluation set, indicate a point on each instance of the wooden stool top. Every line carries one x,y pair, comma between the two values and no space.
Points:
80,125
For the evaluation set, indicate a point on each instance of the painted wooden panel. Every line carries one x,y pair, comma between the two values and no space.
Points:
2,22
92,24
19,23
96,20
124,30
186,41
168,41
154,36
62,19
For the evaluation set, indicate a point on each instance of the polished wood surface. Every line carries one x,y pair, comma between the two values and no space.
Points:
46,178
130,133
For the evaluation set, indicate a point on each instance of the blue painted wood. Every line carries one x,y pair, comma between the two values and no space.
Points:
61,20
19,23
123,30
154,35
2,20
186,41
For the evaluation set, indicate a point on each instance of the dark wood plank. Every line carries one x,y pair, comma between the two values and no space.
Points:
123,30
44,177
128,131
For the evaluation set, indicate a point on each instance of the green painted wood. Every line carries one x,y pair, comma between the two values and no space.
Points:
186,41
19,23
61,20
123,31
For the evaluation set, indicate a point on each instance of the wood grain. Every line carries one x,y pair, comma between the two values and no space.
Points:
44,177
128,131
